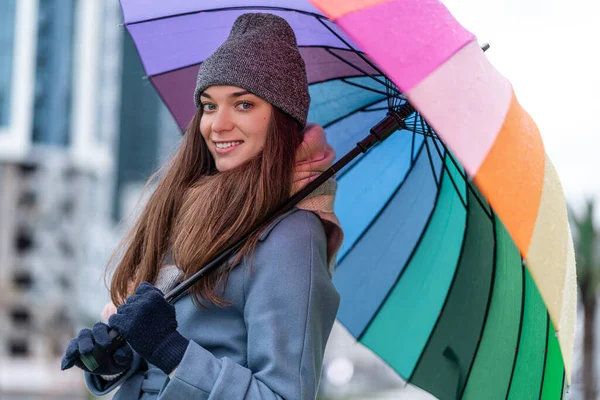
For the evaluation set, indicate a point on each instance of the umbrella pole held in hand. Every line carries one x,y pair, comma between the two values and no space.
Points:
393,122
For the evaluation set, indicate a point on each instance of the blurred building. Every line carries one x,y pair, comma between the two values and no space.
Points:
60,67
80,133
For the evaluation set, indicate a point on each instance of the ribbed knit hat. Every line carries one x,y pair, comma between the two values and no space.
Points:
261,56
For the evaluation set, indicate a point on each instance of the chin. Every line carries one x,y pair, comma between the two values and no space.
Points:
227,165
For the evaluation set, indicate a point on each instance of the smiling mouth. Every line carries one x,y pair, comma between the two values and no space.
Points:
225,147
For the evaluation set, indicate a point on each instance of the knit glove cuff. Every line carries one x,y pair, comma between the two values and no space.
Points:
169,353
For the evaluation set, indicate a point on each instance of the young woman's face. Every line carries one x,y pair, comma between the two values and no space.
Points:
234,124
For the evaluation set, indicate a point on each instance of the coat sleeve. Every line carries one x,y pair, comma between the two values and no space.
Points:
290,308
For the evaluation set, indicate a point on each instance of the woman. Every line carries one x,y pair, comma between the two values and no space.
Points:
256,328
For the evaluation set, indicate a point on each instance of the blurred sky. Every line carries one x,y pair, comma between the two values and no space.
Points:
549,51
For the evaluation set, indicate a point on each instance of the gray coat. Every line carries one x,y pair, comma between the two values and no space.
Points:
269,344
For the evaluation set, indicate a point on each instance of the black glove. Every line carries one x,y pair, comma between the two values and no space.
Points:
148,323
84,345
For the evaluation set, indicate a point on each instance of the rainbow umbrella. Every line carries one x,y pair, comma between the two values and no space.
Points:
457,269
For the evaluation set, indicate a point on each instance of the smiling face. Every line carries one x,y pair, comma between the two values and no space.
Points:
234,124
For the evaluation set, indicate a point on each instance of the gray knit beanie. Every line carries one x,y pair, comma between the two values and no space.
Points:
260,55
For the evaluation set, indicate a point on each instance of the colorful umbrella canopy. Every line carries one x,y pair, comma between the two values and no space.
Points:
457,268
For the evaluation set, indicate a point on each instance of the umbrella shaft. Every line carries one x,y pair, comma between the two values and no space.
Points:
390,124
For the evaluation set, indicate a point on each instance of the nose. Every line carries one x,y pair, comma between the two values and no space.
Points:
222,121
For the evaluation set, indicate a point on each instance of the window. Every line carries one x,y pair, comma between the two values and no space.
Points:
23,280
18,348
7,36
20,316
24,241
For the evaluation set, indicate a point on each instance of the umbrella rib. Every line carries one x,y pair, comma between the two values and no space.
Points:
338,119
344,79
467,183
416,128
318,16
412,144
469,187
462,200
407,263
545,355
366,229
328,49
376,109
389,88
435,178
512,373
339,78
487,308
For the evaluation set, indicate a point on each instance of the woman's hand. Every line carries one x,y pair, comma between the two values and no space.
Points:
148,323
84,344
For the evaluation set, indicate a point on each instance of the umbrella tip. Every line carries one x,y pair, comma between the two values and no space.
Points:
120,25
485,46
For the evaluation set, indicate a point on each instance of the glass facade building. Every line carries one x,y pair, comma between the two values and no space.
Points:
54,72
7,43
147,130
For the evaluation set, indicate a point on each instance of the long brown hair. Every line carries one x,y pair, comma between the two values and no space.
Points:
197,212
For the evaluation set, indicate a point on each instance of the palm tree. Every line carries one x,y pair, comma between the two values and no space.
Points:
586,235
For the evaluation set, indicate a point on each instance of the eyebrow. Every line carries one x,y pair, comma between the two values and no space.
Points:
235,94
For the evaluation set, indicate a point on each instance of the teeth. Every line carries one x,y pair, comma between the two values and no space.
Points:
226,144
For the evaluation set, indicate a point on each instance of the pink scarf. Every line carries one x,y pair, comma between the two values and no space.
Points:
314,157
